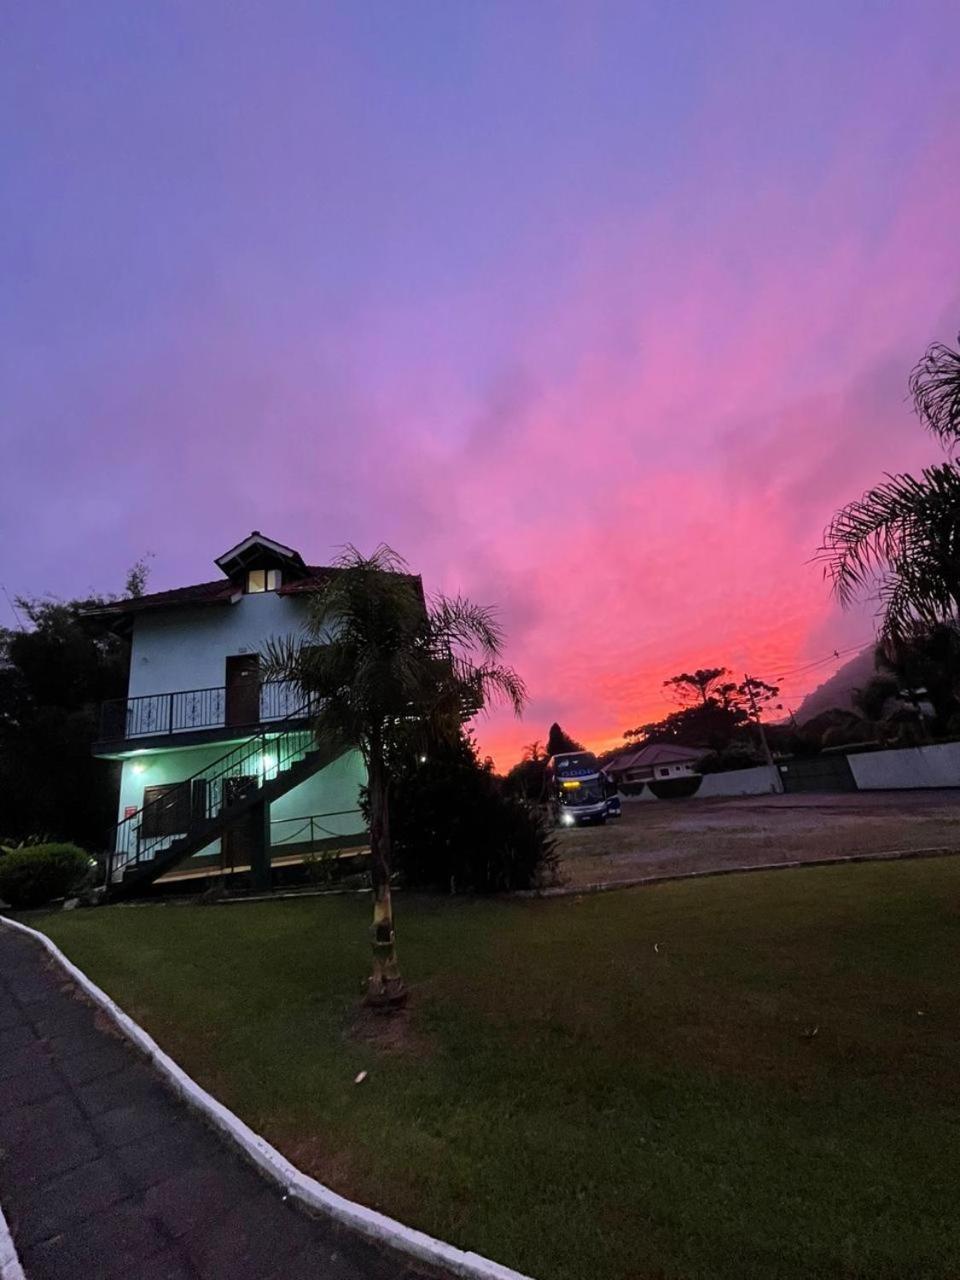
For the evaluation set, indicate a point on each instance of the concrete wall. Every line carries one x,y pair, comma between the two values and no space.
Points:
934,766
759,781
738,782
187,648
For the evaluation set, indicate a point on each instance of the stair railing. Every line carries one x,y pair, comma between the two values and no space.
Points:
187,808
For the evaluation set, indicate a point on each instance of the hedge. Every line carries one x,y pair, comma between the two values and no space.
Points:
33,876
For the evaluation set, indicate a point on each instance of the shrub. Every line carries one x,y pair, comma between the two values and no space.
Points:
31,876
454,828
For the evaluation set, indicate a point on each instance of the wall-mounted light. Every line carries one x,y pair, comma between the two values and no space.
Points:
139,767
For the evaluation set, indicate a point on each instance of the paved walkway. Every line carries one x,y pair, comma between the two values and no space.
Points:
105,1173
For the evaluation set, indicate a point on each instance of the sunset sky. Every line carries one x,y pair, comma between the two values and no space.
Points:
592,311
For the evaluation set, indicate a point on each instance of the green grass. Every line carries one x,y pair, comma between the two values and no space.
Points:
576,1104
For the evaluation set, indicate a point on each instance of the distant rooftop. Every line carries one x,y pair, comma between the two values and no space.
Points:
657,753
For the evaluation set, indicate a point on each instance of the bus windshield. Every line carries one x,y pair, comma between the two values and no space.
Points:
585,793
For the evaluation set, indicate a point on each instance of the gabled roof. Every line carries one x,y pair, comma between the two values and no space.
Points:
220,592
256,551
657,753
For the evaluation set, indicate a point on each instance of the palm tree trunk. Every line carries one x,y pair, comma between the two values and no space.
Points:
386,989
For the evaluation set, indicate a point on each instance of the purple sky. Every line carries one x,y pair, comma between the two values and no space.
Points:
595,311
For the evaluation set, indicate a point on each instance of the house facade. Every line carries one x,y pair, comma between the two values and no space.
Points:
219,766
656,762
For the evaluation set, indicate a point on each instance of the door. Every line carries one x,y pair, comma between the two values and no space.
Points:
236,843
242,690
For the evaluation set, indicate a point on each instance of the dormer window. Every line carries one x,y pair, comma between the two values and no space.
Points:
262,580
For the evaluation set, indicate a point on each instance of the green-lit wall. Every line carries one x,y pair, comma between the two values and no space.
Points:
331,791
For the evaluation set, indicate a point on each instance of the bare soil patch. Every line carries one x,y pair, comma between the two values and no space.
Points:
388,1032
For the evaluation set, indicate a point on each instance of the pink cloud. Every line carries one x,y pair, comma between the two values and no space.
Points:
644,493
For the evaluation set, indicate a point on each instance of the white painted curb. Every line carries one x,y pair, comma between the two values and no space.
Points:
10,1268
297,1185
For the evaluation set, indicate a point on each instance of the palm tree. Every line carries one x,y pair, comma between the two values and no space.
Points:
388,672
903,536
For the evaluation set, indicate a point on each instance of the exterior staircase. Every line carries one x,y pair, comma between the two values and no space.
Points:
204,807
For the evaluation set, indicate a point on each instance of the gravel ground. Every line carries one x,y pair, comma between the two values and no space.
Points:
668,836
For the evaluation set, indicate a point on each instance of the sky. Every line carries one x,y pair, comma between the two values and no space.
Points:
594,312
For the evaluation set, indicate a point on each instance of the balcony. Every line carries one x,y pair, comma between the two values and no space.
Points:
196,715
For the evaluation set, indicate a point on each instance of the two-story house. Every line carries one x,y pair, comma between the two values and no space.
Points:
220,768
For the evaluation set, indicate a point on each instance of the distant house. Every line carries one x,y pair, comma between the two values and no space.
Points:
220,771
656,762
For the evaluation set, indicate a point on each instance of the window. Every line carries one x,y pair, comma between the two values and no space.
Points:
263,580
664,773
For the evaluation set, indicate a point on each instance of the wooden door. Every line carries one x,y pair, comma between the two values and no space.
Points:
166,810
236,842
243,690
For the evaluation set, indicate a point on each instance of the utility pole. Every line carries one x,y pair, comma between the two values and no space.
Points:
763,737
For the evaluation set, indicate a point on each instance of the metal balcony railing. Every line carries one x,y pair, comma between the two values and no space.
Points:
160,714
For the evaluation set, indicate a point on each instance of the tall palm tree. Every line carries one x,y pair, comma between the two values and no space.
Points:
903,536
388,671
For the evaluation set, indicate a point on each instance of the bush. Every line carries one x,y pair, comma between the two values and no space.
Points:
31,876
455,829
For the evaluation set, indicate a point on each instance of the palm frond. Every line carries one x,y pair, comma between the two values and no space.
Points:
908,527
935,388
458,622
499,683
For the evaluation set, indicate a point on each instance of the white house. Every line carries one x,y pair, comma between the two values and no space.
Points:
656,762
218,765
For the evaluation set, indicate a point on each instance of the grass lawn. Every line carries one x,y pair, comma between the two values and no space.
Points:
618,1087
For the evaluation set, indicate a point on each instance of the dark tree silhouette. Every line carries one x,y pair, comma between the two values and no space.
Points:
55,670
558,741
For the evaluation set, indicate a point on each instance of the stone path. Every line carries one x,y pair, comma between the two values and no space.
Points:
105,1173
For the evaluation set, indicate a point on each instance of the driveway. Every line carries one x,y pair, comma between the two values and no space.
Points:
670,836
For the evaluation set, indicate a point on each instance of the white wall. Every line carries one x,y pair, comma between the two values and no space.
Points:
672,771
933,766
186,648
758,781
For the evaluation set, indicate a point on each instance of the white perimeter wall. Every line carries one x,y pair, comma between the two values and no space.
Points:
759,781
739,782
933,766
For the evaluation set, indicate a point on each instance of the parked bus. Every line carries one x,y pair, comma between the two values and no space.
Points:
579,791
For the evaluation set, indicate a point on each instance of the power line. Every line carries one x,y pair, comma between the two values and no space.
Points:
819,662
